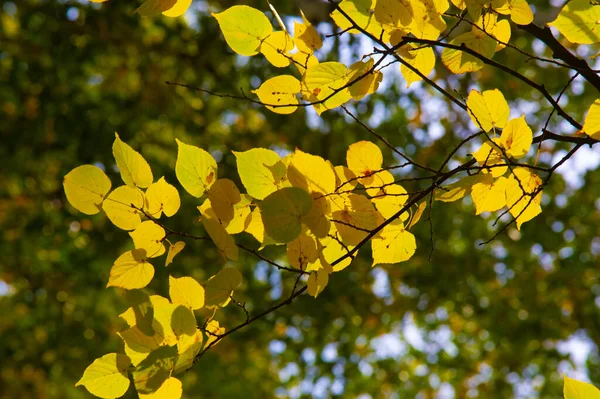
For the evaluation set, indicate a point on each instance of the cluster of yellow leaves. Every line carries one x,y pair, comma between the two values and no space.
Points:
318,211
162,338
328,85
168,8
490,190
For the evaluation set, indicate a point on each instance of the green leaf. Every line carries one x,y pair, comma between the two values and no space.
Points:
261,171
282,212
218,288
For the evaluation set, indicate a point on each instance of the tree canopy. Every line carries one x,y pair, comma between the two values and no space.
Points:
389,198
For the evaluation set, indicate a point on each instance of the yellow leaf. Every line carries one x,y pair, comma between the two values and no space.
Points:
393,245
345,179
186,291
188,347
141,312
355,220
134,169
153,371
488,24
162,197
301,251
317,281
359,11
311,173
261,171
417,215
154,7
367,80
161,323
195,168
256,227
516,138
488,194
220,287
316,220
390,200
423,60
122,205
180,7
139,345
591,125
149,236
455,191
458,61
489,157
303,61
241,215
375,187
212,329
85,188
107,377
173,251
131,270
223,196
363,158
171,389
520,187
220,237
393,14
326,82
519,10
244,28
282,213
488,110
574,389
332,250
306,36
578,22
275,48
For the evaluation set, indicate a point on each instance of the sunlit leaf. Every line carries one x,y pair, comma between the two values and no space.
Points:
311,173
363,158
150,8
458,61
223,195
488,109
131,270
244,28
85,188
171,389
521,202
516,138
173,251
180,7
261,171
275,48
134,169
327,84
149,236
195,168
301,251
107,377
591,125
306,36
487,194
574,389
153,371
162,197
393,245
220,237
121,207
186,291
578,22
317,281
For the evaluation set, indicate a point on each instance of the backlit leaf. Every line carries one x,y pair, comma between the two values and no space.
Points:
244,28
180,7
85,188
363,158
220,287
261,171
458,61
306,36
520,186
223,195
393,245
131,270
591,125
171,389
186,291
121,207
173,251
195,168
516,138
150,8
149,236
134,169
162,197
574,389
220,237
107,377
301,251
326,82
578,22
311,173
282,213
488,109
275,48
153,371
487,194
317,281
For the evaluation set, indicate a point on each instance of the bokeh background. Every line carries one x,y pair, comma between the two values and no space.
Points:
500,320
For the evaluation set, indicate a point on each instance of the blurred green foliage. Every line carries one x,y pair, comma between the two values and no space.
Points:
485,320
